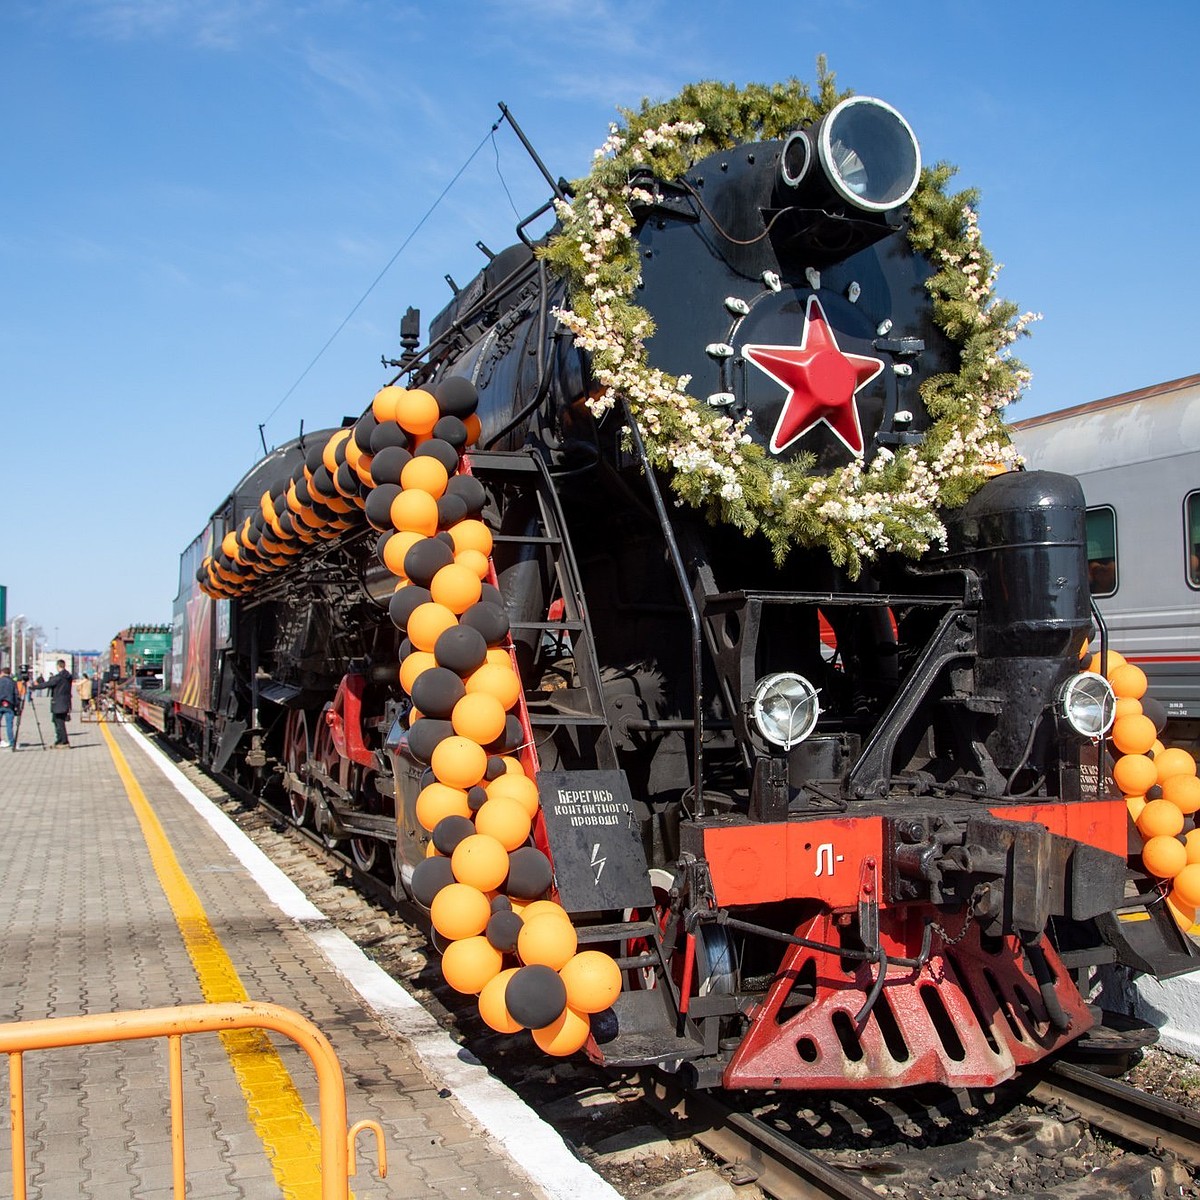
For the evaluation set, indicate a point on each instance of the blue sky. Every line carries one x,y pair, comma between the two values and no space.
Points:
196,195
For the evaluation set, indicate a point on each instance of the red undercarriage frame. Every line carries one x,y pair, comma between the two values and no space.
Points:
970,1017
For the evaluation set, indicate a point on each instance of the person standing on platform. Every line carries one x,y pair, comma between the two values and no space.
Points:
85,693
59,687
10,702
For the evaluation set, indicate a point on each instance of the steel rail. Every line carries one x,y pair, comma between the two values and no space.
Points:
782,1169
1122,1110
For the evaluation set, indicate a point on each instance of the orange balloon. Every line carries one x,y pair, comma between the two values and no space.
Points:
492,1008
1128,681
504,819
500,657
475,562
428,622
481,861
565,1035
417,411
516,787
426,475
1191,843
1184,914
474,428
479,717
1135,804
1133,735
1127,707
593,981
437,801
548,908
383,406
1114,660
1160,818
396,547
459,762
329,454
546,941
470,534
417,511
413,665
362,469
494,680
459,911
1134,774
1164,856
455,586
1183,791
469,965
1172,761
1187,885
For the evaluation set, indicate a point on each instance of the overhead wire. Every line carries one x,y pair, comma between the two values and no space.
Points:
387,267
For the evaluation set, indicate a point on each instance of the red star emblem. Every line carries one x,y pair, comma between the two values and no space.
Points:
822,381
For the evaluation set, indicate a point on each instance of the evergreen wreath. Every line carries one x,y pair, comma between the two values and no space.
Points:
856,512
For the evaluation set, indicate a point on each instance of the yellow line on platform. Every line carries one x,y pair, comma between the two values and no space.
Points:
273,1104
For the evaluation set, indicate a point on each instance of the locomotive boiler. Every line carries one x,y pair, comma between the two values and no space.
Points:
818,765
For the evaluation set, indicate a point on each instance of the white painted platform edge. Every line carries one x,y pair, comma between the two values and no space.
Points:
536,1147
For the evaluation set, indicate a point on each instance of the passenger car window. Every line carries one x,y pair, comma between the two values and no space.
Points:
1102,551
1191,525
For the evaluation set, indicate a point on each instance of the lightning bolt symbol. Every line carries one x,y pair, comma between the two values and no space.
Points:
597,861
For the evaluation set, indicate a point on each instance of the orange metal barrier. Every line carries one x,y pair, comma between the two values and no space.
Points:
337,1143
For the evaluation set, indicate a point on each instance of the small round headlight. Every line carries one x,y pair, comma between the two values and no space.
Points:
784,708
1086,702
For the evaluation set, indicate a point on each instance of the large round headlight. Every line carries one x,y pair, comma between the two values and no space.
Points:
1086,702
784,708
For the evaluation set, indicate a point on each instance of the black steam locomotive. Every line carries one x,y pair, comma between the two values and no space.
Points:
800,681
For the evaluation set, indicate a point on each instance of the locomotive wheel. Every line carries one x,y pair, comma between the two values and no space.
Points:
327,759
365,853
295,757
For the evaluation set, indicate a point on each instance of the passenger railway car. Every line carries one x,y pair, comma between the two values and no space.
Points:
1137,457
818,771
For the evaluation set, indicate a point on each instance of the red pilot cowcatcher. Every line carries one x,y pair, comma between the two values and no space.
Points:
822,381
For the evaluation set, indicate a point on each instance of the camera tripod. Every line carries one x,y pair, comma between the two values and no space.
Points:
36,720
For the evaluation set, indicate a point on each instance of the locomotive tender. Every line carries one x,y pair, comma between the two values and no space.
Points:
834,801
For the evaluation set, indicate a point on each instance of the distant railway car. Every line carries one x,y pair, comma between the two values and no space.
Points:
1137,456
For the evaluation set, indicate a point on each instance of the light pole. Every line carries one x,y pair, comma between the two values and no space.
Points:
12,629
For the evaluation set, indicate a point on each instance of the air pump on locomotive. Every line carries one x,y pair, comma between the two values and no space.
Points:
835,829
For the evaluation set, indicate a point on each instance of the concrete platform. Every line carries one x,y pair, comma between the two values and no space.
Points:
122,887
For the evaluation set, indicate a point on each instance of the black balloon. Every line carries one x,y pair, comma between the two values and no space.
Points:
503,929
501,904
490,593
388,434
388,463
460,648
378,509
494,769
449,831
1155,711
451,510
347,480
363,428
477,797
322,483
442,451
510,740
314,456
471,490
429,876
426,735
529,874
452,430
436,692
535,996
490,619
381,544
456,397
425,559
402,603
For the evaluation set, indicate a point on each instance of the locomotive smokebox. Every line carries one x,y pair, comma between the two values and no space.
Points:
1024,533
